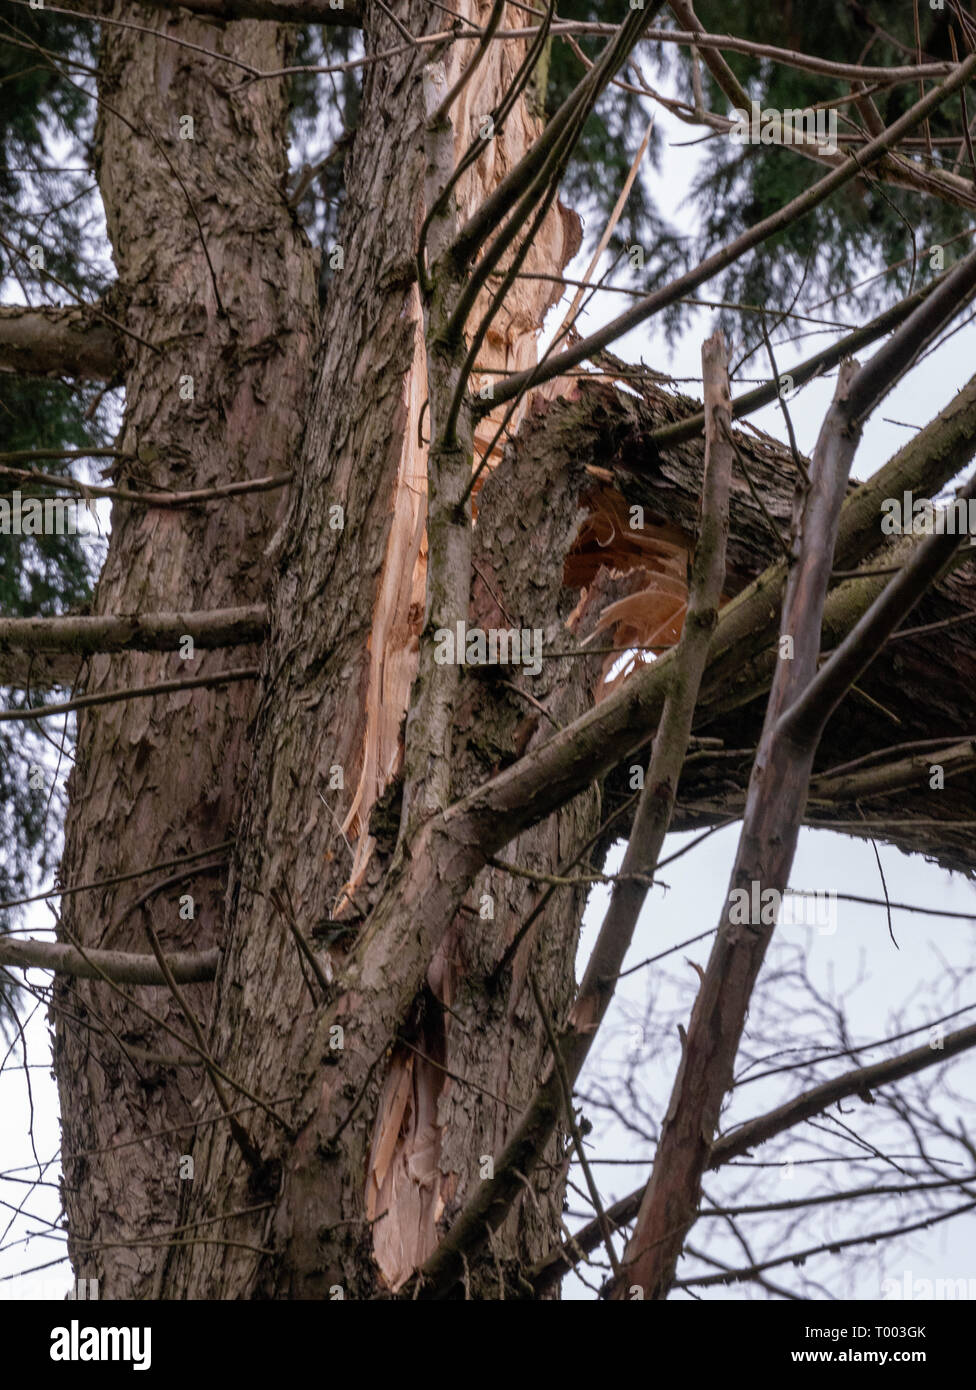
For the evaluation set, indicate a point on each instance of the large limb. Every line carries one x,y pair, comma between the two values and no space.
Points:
892,704
612,732
801,700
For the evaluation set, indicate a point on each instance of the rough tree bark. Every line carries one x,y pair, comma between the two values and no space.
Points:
169,775
418,1135
226,294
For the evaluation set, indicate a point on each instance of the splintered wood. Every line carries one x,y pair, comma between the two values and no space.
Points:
653,561
404,1174
406,1187
510,346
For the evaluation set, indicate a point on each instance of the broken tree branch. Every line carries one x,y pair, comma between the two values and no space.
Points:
603,737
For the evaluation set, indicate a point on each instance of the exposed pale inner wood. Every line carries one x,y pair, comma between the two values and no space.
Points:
405,1178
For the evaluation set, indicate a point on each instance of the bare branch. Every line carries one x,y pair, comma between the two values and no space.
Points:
692,426
684,13
871,154
124,967
861,1081
58,342
799,1257
341,13
46,651
136,692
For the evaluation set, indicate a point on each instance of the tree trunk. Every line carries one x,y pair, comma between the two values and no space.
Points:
160,779
464,1059
169,774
